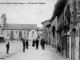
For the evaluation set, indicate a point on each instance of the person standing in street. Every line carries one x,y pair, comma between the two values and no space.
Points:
27,44
33,43
37,43
43,43
24,46
23,41
7,47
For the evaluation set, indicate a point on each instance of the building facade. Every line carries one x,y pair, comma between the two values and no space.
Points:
2,24
54,25
40,33
18,31
46,31
68,31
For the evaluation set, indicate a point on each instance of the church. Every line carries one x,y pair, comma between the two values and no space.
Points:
17,31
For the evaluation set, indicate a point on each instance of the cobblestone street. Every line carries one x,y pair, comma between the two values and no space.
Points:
16,53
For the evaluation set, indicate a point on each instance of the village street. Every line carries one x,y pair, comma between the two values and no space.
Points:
16,52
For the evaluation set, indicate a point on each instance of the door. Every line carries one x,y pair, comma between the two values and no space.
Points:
73,44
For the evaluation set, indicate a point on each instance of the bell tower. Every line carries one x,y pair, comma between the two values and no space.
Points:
2,23
3,20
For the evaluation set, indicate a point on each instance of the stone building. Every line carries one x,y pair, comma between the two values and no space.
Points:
61,11
46,31
54,25
68,30
2,24
40,33
68,27
18,31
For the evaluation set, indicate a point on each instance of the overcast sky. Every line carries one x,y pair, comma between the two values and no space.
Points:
27,13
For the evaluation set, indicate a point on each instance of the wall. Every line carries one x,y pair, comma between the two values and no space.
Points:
15,34
25,34
54,38
32,34
40,33
46,30
6,34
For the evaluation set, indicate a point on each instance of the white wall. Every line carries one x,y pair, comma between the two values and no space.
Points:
6,34
16,34
39,34
25,34
32,36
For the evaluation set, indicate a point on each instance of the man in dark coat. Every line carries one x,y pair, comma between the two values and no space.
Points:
7,47
23,46
27,44
37,43
23,41
58,48
33,43
43,43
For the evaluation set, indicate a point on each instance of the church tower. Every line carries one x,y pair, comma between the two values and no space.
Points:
3,20
2,23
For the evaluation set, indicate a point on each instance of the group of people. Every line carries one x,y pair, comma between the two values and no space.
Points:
26,44
36,42
43,43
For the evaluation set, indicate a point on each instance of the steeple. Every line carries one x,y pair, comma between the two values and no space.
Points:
3,20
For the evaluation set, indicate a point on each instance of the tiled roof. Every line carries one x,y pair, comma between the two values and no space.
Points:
45,21
40,29
58,8
20,26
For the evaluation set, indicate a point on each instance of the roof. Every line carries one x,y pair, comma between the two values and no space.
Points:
40,29
59,7
45,21
48,25
20,26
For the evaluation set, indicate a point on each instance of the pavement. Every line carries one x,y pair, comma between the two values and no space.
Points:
14,48
32,53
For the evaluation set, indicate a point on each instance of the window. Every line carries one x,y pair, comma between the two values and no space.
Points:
24,32
16,31
79,17
32,32
7,31
20,34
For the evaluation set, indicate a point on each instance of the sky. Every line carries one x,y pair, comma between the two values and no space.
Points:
27,13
